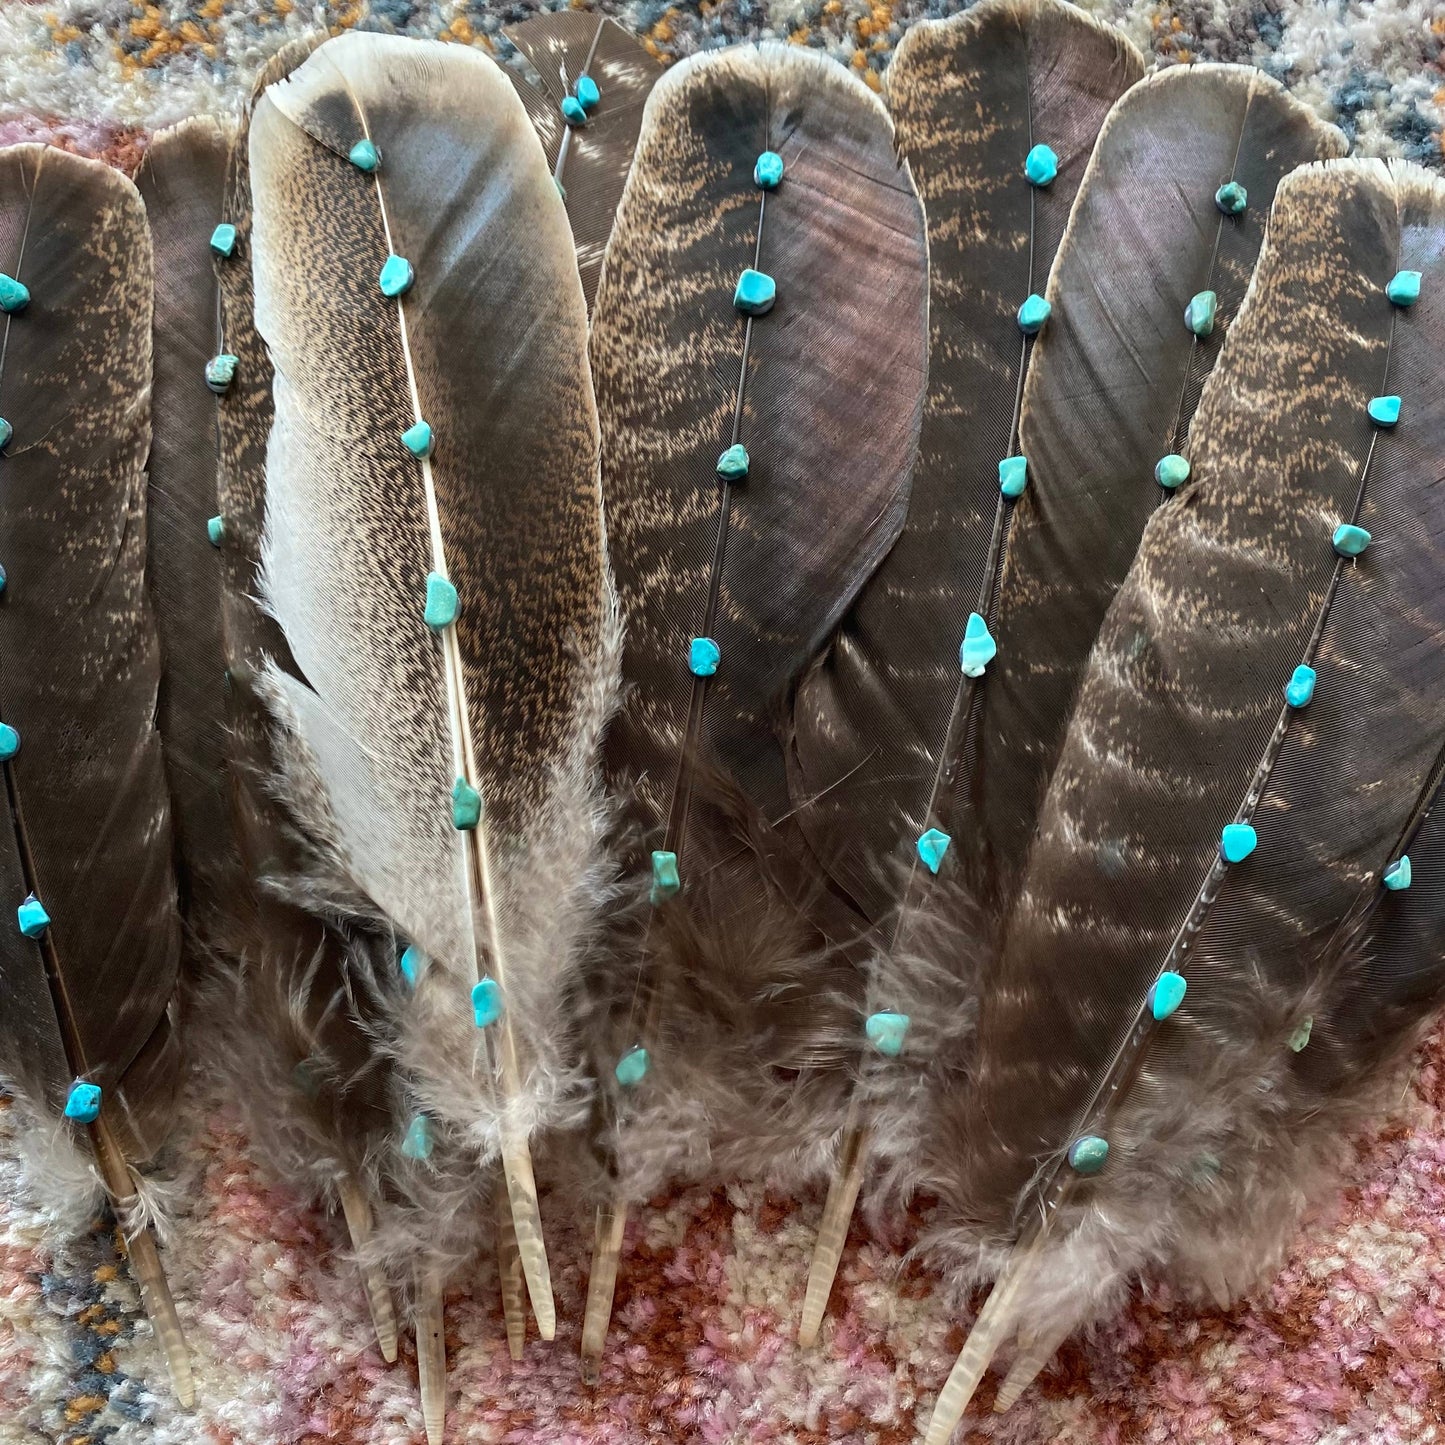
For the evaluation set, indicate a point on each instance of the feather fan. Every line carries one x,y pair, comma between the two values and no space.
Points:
878,719
759,350
433,556
90,950
1218,945
594,82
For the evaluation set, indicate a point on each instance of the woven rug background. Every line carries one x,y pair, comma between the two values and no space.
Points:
1345,1347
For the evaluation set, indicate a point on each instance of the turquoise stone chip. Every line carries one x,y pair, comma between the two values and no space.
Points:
1350,540
574,111
1041,165
33,918
223,239
396,276
486,1002
666,881
417,440
1404,288
768,172
1171,471
632,1067
411,963
215,530
221,372
1167,994
417,1143
1032,315
1237,842
1384,410
1231,198
364,156
886,1032
932,846
13,296
6,432
732,465
978,649
1013,476
1301,685
703,656
1199,314
9,742
3,579
756,293
1397,875
1089,1154
83,1102
588,93
442,605
1301,1036
466,806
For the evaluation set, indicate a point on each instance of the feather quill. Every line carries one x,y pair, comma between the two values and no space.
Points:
1229,1106
730,583
393,737
877,732
90,950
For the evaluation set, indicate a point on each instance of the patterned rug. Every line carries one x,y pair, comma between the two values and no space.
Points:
1346,1347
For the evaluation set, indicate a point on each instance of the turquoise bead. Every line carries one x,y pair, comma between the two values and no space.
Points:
411,963
486,1002
703,656
1172,471
9,742
1041,165
442,604
364,156
466,806
1013,476
216,530
3,579
418,440
1089,1154
1199,314
1301,685
1301,1036
1397,875
1404,288
221,372
632,1067
32,917
886,1032
756,293
574,111
932,846
978,649
1384,410
6,432
588,93
396,276
732,465
768,172
308,1077
1167,994
223,239
1032,315
83,1102
1237,842
666,881
1350,540
13,296
1231,198
417,1142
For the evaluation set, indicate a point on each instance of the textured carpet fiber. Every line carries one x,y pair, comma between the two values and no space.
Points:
1346,1345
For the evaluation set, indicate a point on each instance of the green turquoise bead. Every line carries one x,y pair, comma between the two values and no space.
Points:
417,1142
666,881
588,93
632,1067
574,111
486,1002
1301,686
886,1032
978,648
364,156
1398,875
932,846
32,917
82,1104
1384,410
466,806
1032,315
216,530
768,172
1013,476
1199,314
1041,165
9,742
1089,1154
223,239
756,292
1171,471
1350,540
13,296
411,963
1404,288
418,440
442,604
6,432
221,372
1237,842
732,465
1300,1038
1166,994
1231,198
396,276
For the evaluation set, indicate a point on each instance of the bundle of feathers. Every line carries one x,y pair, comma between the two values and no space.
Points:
650,626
